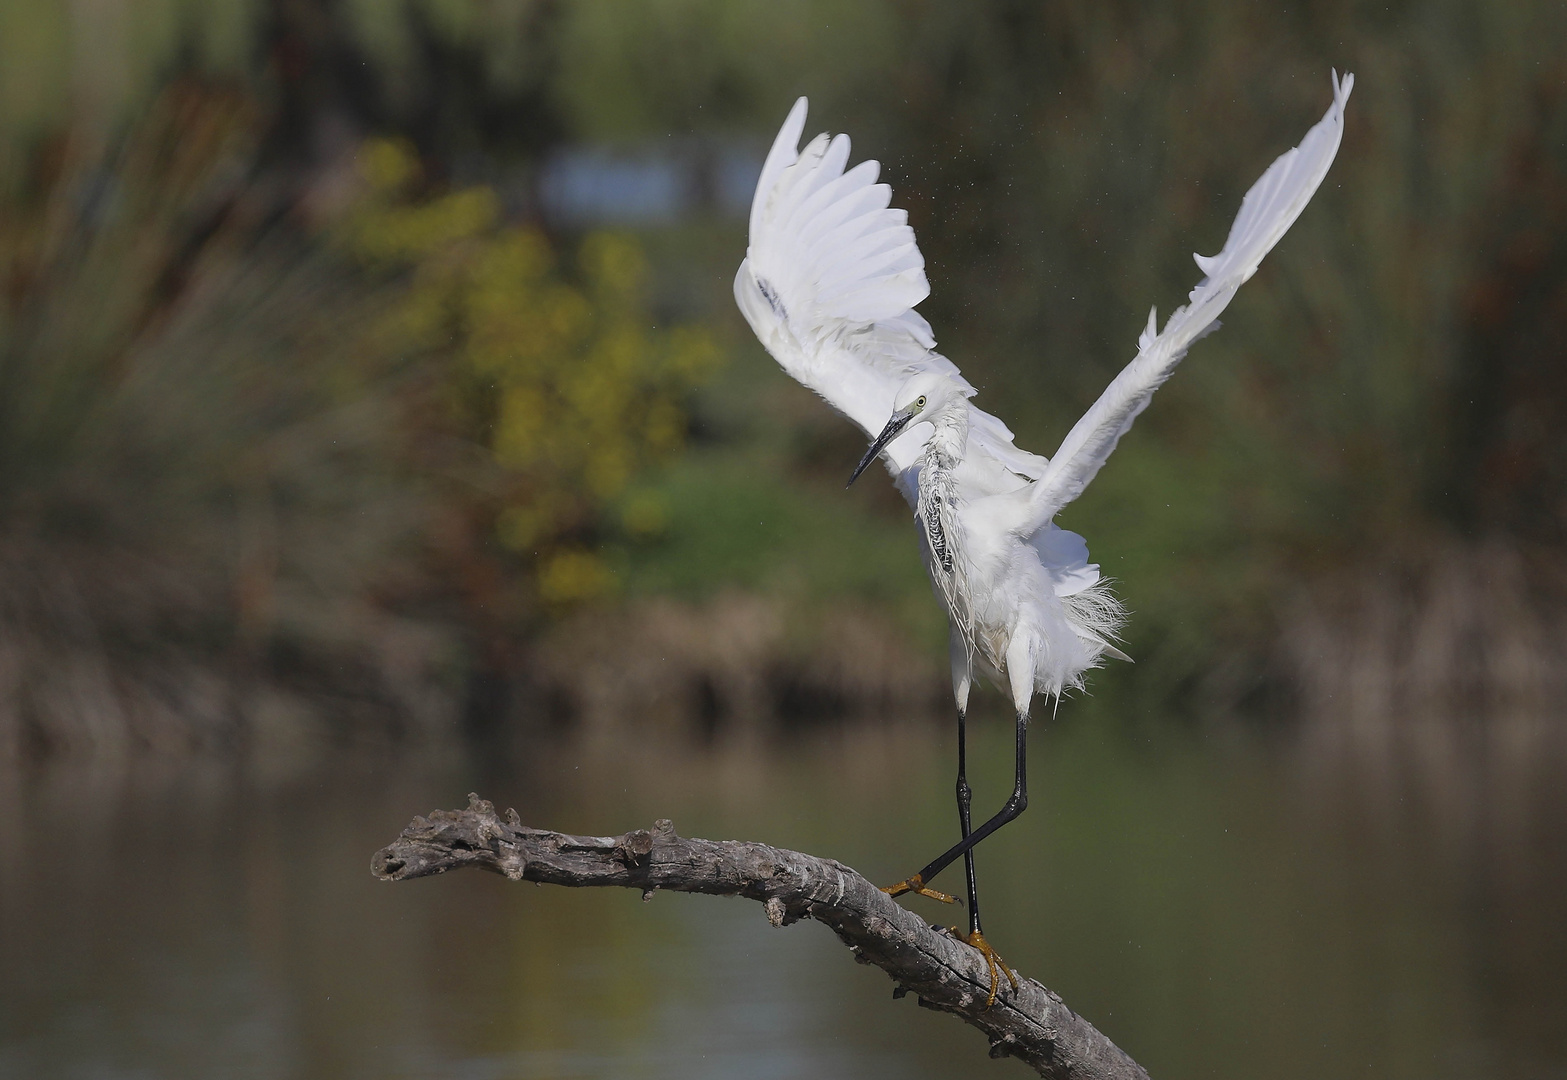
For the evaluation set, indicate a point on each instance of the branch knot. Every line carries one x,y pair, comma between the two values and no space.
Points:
635,847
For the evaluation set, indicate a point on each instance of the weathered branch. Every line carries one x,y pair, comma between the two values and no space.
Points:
1031,1024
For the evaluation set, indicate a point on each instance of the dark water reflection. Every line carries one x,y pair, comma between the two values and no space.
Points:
1218,907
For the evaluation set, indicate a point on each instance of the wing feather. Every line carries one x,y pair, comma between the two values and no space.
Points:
782,154
1267,212
829,284
852,195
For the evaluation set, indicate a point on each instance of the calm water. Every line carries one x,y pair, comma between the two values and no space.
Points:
1220,908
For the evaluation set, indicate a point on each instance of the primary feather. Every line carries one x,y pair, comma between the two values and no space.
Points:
829,283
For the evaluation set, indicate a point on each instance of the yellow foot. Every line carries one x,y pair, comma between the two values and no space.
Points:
916,885
993,961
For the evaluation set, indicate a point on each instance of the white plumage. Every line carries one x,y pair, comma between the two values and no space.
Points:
829,284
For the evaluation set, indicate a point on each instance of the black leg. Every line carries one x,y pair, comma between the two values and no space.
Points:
1015,805
965,795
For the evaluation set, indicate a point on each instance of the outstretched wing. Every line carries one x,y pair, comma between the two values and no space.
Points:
829,284
1269,209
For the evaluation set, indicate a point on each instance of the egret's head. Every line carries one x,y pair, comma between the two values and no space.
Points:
924,397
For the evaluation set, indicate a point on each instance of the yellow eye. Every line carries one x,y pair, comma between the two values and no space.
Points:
920,402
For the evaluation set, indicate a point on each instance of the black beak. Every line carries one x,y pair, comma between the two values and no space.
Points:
894,427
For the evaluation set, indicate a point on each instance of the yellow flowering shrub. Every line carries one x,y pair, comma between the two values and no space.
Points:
552,367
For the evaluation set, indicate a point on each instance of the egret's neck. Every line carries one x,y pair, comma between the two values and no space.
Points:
937,511
944,449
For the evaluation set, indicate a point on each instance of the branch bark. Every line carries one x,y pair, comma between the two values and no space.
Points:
1031,1024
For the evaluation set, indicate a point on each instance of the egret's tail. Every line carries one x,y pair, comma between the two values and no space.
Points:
1097,615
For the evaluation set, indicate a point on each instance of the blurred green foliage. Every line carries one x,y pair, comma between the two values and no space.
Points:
1389,382
203,531
563,380
230,444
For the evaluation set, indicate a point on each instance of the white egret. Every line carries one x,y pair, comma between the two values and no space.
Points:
829,284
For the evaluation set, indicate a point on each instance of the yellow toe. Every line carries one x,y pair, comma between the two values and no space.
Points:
916,885
994,962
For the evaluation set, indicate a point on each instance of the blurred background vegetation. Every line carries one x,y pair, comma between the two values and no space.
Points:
369,369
